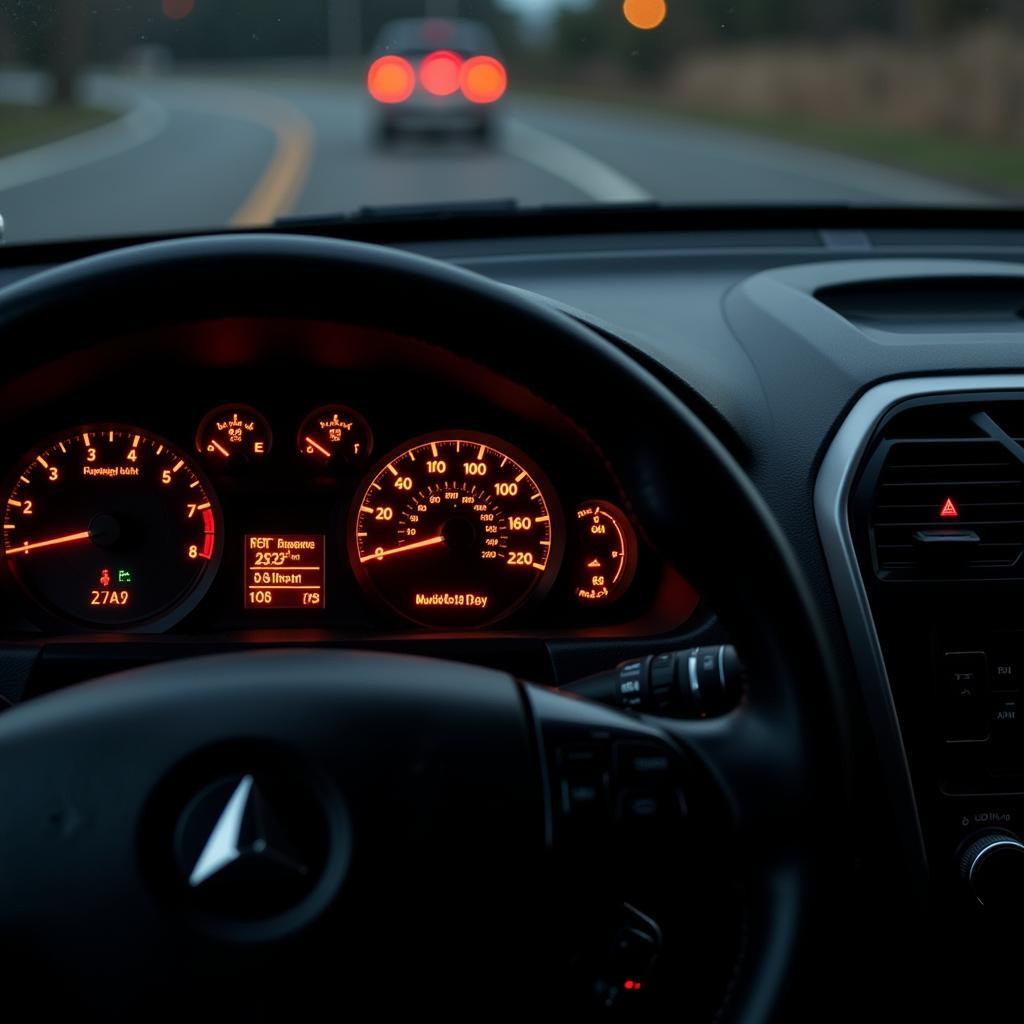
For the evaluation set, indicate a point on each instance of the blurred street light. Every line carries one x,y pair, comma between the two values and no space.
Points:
644,14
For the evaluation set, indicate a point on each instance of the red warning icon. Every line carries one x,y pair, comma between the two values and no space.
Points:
949,510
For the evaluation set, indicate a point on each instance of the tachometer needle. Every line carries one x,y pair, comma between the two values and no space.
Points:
385,552
69,539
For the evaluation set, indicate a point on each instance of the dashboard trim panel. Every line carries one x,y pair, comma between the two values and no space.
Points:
832,490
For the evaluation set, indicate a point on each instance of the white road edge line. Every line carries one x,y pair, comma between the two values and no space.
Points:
584,172
145,121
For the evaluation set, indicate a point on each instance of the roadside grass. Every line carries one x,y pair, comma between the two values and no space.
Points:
23,126
999,166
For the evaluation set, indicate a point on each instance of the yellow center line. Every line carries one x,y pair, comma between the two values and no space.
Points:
281,183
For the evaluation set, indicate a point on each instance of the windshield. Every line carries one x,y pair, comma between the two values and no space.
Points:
142,116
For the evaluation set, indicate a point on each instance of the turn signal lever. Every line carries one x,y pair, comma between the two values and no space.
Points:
698,682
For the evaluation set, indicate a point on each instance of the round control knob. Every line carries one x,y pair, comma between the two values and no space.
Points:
993,866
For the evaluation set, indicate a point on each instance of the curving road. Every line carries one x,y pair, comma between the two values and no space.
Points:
200,153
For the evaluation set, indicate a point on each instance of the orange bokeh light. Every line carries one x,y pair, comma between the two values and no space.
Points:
439,72
176,10
483,80
645,14
391,79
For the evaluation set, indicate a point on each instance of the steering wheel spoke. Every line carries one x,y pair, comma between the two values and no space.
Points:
752,765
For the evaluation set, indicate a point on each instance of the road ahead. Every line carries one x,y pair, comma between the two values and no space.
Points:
201,153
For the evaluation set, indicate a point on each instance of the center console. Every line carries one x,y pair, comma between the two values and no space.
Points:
920,507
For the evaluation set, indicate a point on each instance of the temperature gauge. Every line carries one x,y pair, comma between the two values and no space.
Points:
333,435
604,553
234,433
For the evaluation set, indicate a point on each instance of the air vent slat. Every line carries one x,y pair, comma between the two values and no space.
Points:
937,454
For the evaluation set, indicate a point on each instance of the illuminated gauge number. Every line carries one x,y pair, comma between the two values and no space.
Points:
604,552
334,435
456,531
111,526
234,434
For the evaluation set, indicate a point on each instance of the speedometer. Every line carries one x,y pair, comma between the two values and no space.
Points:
456,530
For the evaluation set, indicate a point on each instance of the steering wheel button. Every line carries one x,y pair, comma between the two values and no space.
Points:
649,807
642,806
583,800
642,763
580,758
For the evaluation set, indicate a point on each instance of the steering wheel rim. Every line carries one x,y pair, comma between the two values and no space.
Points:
782,758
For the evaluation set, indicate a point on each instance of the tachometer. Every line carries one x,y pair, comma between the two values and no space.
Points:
456,530
112,526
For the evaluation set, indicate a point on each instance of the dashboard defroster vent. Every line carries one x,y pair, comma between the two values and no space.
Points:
944,493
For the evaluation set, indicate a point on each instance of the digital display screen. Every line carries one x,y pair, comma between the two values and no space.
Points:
284,570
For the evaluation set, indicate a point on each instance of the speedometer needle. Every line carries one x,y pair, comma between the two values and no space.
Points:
69,539
384,552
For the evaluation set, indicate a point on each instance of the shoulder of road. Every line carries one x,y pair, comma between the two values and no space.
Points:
27,125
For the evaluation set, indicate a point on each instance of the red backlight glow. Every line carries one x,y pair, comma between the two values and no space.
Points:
483,80
439,72
949,510
391,79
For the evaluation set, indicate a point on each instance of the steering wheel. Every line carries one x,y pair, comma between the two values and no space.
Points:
264,829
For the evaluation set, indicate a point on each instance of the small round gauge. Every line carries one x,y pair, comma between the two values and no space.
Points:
234,434
604,552
456,530
334,435
111,526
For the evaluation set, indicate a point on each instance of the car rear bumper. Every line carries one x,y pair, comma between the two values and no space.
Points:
415,118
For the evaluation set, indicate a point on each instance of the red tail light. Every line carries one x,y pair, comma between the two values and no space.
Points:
483,79
391,79
439,72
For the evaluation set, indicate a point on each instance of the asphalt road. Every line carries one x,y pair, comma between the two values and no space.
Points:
200,153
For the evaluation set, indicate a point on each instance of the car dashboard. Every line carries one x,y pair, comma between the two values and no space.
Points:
255,481
359,488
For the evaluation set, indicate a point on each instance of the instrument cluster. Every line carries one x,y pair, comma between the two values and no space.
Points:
332,515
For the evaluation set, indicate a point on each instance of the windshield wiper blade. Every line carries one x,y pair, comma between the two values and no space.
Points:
406,211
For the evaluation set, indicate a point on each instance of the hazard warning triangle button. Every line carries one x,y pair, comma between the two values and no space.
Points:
949,510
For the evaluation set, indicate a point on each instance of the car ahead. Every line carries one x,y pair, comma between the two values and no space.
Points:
435,77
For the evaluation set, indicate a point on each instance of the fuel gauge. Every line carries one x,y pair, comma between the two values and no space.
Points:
604,552
335,435
234,434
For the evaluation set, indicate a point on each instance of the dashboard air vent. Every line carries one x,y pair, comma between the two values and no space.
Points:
946,493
